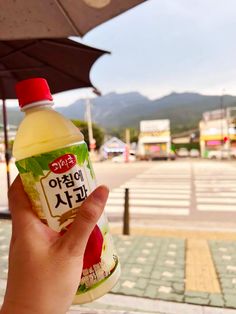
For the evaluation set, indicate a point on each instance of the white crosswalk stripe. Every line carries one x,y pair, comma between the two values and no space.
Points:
215,186
157,191
216,207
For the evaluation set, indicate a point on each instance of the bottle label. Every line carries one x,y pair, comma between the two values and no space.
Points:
57,183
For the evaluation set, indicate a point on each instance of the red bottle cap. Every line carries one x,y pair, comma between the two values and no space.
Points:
32,90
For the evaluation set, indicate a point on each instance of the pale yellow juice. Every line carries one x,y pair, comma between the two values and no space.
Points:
57,175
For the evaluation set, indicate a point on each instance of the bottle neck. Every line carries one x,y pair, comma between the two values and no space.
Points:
43,104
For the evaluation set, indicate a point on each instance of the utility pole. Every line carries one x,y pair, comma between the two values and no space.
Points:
92,142
127,148
7,154
222,132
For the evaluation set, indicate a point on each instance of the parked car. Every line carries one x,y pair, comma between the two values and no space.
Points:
222,154
194,153
121,158
182,152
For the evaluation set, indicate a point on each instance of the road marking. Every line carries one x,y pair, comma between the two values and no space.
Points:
153,190
219,194
184,184
208,184
216,207
199,267
149,210
149,195
161,186
215,189
143,202
163,176
216,200
216,177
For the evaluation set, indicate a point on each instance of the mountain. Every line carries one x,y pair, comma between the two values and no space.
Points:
185,109
115,110
125,110
111,110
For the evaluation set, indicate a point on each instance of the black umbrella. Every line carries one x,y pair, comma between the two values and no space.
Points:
65,64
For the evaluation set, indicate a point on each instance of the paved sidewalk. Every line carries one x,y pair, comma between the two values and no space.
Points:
185,267
126,305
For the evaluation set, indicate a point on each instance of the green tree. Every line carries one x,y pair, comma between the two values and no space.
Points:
98,132
120,133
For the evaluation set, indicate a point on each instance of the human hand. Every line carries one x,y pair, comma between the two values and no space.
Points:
45,267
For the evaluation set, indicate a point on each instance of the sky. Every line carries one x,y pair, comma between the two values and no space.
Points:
163,46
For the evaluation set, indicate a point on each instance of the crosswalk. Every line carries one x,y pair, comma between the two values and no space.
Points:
161,190
172,189
178,189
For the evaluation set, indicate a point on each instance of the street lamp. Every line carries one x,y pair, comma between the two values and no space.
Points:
92,141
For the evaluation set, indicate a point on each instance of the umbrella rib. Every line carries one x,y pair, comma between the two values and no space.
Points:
23,69
89,48
16,50
68,18
14,74
52,66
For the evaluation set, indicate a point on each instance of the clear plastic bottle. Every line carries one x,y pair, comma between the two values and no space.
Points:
57,175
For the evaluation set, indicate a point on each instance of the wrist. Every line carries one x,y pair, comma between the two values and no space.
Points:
10,307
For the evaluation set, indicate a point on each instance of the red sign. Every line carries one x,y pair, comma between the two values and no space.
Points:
92,145
63,163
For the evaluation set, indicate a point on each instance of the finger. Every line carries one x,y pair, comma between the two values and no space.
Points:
20,206
76,238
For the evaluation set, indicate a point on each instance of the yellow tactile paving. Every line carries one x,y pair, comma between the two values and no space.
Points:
200,271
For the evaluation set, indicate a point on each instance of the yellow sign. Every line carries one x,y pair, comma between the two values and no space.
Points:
218,137
156,134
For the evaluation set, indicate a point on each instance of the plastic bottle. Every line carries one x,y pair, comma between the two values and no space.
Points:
57,175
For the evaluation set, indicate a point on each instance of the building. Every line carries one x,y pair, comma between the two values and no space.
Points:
188,139
113,147
218,131
154,139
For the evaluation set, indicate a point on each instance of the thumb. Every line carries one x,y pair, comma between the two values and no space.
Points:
76,238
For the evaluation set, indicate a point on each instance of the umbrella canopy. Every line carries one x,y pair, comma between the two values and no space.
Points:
64,63
56,18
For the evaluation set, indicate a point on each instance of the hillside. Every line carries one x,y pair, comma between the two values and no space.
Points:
116,111
111,110
126,110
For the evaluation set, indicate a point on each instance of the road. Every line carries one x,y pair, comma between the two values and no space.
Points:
186,189
108,173
197,190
